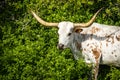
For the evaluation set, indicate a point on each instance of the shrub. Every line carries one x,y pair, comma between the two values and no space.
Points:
28,50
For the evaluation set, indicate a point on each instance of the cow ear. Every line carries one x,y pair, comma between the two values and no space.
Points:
78,30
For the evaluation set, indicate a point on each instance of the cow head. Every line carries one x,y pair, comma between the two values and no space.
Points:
66,30
65,33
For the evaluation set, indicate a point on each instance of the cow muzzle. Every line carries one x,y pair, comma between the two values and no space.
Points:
60,46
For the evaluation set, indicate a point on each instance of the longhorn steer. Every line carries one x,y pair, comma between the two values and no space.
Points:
99,43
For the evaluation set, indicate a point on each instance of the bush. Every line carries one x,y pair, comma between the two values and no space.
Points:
28,50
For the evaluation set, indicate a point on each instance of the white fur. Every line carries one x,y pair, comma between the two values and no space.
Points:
97,38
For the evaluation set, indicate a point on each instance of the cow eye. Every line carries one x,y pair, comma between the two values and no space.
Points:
69,34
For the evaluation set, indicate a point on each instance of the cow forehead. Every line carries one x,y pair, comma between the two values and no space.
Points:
65,27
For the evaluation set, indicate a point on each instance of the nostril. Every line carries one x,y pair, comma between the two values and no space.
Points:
60,46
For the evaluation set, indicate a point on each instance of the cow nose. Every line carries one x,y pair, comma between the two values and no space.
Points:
60,46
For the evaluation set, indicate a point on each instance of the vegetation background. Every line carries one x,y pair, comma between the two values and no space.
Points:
28,49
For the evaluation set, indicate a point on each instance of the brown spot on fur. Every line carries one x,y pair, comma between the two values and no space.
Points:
91,36
107,44
95,29
118,37
115,55
78,45
91,46
112,52
100,44
84,49
87,44
96,53
110,39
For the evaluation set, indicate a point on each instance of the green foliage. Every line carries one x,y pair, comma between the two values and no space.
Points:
114,74
28,50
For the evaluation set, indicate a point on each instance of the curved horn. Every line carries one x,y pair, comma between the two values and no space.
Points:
88,23
42,21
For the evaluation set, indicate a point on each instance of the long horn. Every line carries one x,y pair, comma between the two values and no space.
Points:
82,25
44,22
